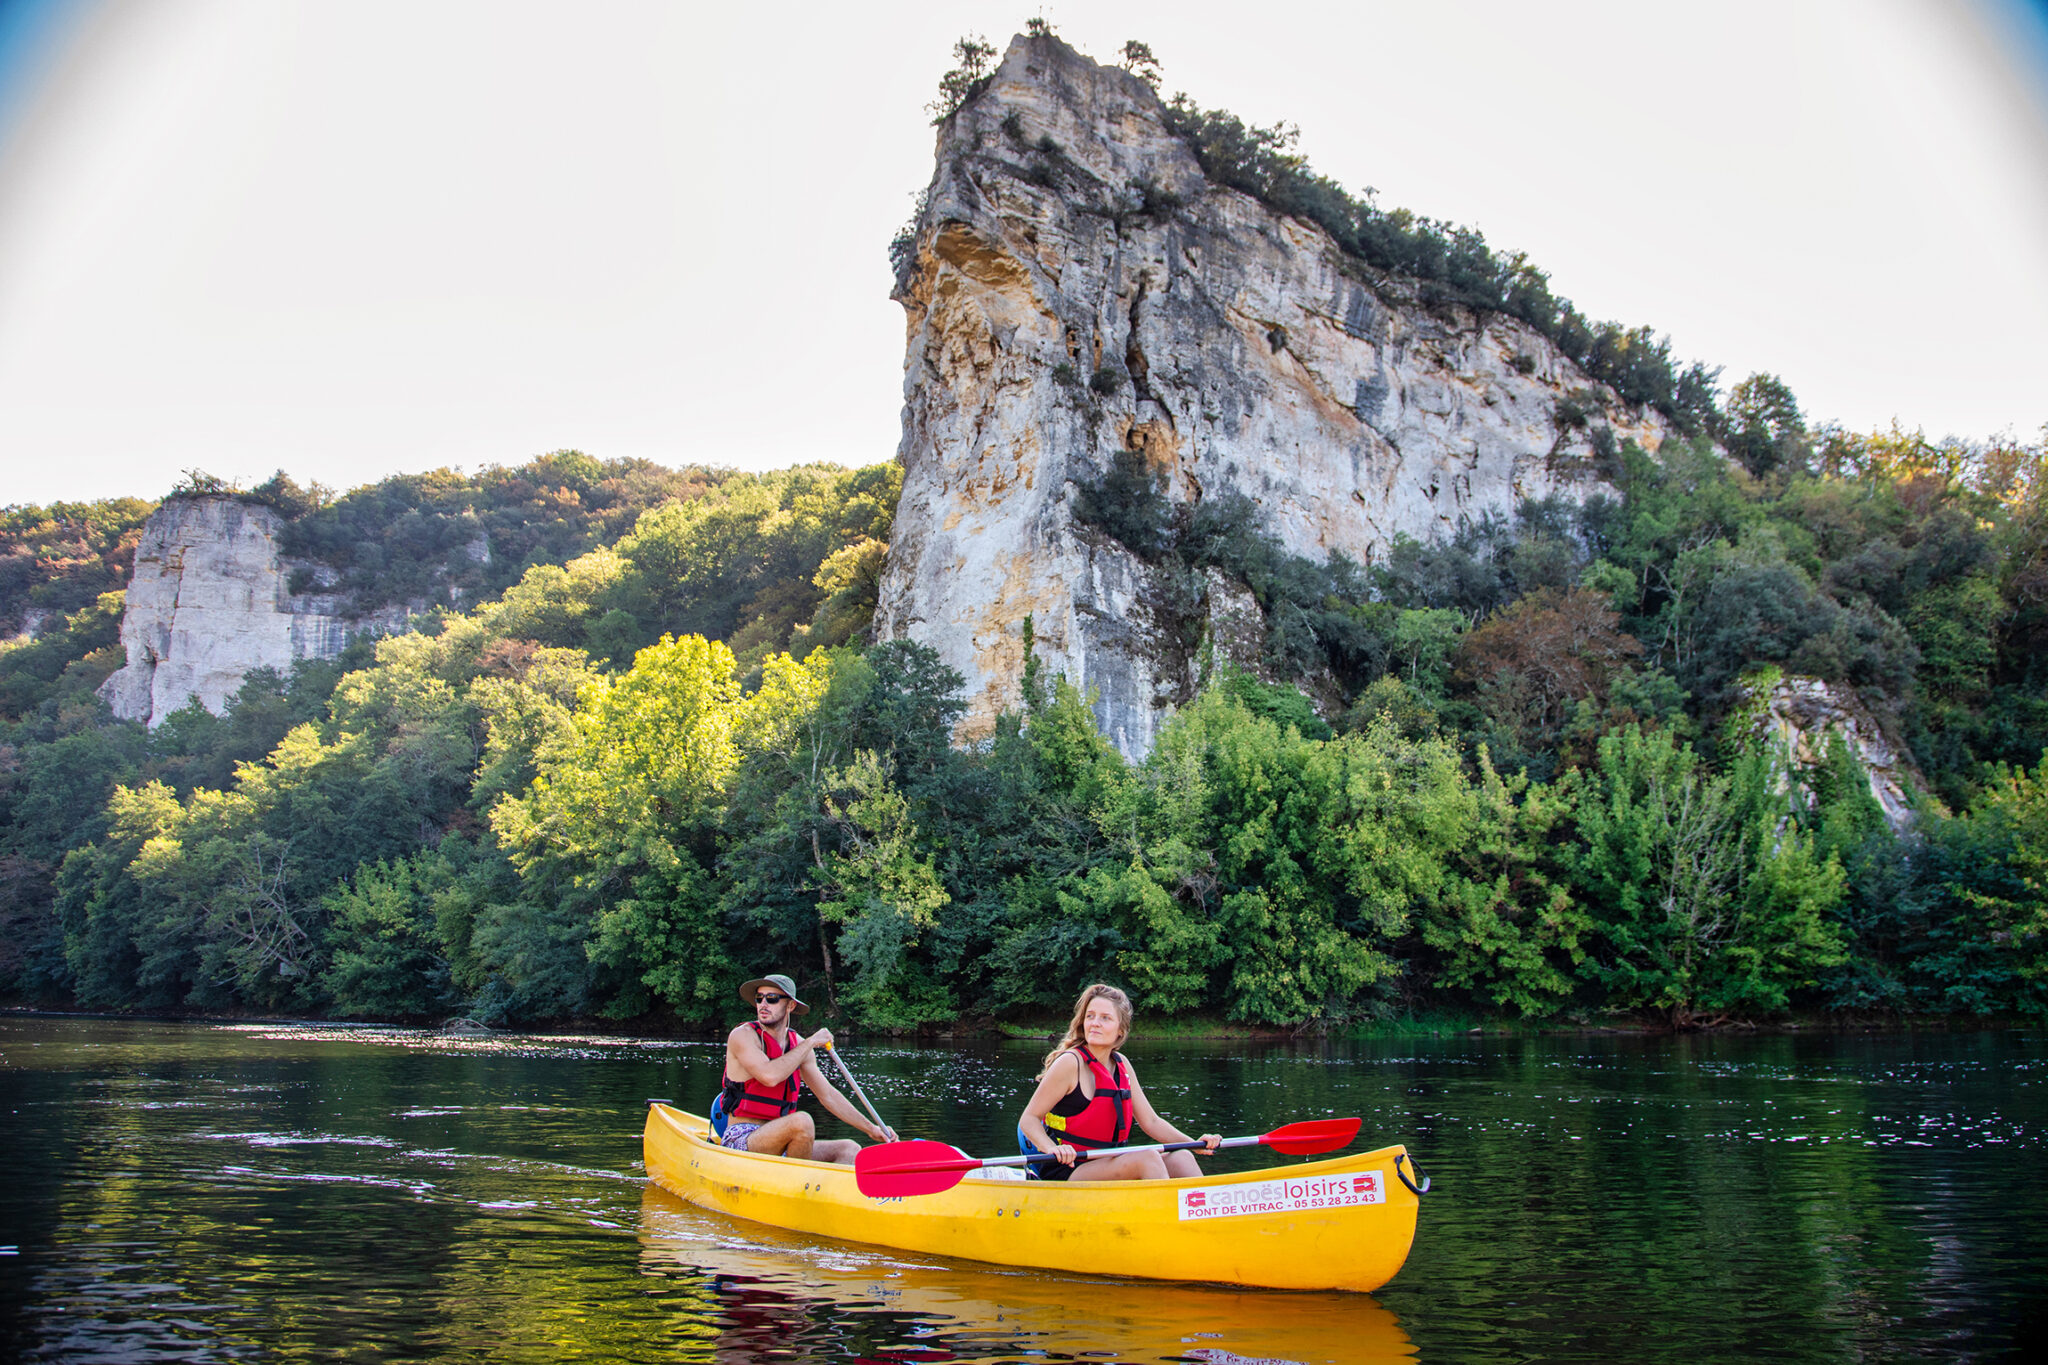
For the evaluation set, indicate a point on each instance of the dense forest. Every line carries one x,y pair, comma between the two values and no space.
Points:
675,760
645,746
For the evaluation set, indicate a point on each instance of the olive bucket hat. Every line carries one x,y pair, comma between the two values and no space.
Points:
780,983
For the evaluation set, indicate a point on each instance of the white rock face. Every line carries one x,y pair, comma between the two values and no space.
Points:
1804,715
208,603
1259,359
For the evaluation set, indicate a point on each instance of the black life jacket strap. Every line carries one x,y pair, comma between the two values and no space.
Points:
1120,1070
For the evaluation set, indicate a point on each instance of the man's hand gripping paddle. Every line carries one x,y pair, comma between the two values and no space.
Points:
921,1167
866,1103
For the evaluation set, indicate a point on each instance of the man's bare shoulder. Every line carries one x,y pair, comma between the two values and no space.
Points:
741,1033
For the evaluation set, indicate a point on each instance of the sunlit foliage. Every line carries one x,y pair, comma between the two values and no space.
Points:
1518,772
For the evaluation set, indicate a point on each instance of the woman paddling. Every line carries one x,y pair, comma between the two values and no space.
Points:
1089,1095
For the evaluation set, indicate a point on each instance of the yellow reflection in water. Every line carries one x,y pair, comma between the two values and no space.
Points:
963,1311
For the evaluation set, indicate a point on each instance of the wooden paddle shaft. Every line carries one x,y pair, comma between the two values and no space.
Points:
865,1102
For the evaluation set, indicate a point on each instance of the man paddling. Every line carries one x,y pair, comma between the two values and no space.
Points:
766,1066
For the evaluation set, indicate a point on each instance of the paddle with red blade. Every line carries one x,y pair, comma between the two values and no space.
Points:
895,1169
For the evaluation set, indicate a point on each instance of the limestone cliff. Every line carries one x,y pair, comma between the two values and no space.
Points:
1803,716
1069,234
208,603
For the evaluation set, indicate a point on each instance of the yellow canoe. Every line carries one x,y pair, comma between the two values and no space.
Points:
1346,1223
763,1287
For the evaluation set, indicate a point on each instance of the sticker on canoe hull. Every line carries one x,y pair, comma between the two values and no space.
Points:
1283,1196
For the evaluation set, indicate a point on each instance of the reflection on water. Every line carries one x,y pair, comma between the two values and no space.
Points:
204,1192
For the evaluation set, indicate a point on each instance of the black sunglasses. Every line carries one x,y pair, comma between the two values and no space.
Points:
769,998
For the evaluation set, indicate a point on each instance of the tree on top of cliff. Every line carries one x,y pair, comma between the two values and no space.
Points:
452,537
1139,61
280,492
968,78
198,483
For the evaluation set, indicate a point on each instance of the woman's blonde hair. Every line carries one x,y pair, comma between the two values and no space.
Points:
1098,991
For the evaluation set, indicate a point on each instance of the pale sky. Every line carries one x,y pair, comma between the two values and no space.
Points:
363,237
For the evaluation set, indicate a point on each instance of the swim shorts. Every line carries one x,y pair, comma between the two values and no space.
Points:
736,1134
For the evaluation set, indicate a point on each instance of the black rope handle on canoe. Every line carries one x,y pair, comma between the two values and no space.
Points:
1421,1189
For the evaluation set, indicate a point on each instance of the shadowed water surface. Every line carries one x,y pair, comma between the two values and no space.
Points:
180,1191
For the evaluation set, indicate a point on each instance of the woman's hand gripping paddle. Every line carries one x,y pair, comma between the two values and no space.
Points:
920,1167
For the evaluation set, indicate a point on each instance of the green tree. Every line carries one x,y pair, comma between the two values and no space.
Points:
881,891
65,662
1955,628
1763,427
1139,61
969,75
387,958
851,580
1256,834
1706,898
115,944
1503,925
625,805
2006,912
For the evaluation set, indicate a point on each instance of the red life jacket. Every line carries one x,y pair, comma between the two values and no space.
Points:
749,1101
1104,1121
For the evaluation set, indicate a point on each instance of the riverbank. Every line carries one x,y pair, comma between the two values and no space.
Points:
1048,1028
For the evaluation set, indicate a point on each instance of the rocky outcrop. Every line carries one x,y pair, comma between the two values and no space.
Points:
32,620
209,602
1803,716
1079,289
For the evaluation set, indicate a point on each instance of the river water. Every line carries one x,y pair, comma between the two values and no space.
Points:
181,1191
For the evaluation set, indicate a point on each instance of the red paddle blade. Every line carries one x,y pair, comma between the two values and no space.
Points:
919,1166
1311,1136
